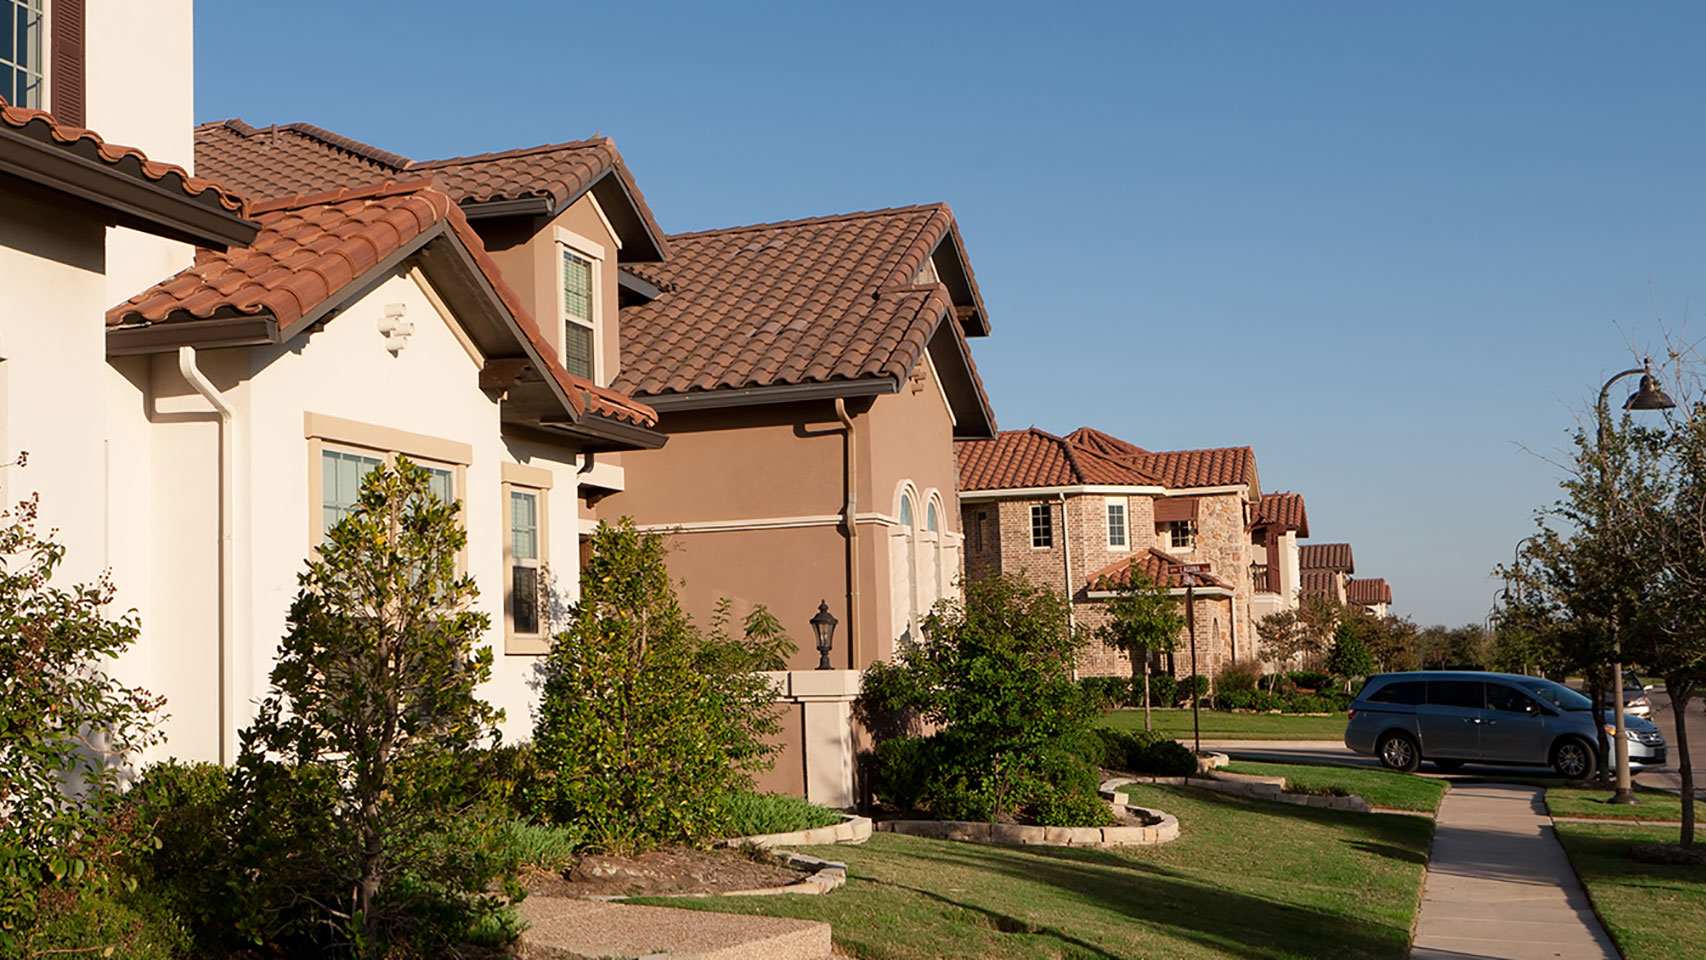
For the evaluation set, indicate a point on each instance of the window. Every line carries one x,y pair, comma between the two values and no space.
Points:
578,319
1410,692
977,531
1180,534
1116,525
341,474
20,52
930,522
524,561
906,511
1509,699
1456,693
1042,526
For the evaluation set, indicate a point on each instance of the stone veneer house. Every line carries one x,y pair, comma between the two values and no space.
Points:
1074,512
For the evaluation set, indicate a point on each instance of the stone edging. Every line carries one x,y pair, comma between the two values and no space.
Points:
828,875
851,829
1164,829
1246,785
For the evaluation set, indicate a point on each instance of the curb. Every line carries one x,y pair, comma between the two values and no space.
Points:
1164,829
1248,785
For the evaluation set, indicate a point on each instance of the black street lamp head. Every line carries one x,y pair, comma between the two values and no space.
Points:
1649,396
823,624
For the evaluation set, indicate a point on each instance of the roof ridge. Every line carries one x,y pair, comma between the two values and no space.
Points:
350,145
517,152
1175,453
389,188
809,221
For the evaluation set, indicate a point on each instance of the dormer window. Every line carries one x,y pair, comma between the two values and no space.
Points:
578,321
20,52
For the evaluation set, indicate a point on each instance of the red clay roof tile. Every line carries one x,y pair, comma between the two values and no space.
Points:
1326,556
46,128
1017,459
1368,592
312,248
1176,469
1154,563
1283,510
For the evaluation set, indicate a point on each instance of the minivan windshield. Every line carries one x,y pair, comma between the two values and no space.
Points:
1556,694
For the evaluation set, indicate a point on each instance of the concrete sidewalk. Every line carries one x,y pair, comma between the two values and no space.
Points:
1500,886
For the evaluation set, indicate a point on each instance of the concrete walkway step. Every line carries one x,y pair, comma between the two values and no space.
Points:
560,928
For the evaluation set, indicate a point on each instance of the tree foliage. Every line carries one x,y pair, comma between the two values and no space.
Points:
67,729
1143,619
1349,657
646,722
362,753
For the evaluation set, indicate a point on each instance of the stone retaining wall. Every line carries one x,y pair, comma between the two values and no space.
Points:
1164,828
1246,785
851,829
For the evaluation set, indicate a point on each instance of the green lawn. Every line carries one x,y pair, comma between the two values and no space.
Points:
1591,802
1247,880
1383,788
1655,912
1224,725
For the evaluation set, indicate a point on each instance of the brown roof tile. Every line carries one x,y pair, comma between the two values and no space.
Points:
1017,459
312,248
301,158
805,301
1105,443
1368,592
1281,510
1153,562
46,128
1225,466
1326,556
1320,583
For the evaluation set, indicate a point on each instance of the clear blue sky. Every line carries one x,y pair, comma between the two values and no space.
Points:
1381,243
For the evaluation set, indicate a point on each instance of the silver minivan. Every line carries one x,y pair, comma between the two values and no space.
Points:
1450,718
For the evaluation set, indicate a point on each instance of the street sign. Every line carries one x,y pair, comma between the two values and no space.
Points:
1179,569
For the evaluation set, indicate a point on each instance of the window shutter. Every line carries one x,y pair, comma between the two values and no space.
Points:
66,76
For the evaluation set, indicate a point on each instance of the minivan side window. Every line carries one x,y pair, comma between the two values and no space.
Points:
1508,699
1404,691
1456,693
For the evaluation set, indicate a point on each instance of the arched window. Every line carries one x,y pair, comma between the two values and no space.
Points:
906,510
930,523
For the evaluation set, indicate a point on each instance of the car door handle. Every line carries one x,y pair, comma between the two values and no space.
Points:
1471,719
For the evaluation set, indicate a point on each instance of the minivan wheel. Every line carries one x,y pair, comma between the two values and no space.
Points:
1574,759
1398,751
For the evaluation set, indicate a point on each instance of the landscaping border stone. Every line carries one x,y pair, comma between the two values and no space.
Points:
827,875
1245,785
1164,828
851,830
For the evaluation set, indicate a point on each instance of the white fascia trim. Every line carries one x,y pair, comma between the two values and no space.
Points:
599,209
1207,491
1016,493
941,392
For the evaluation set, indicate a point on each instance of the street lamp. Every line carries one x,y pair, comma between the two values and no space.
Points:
823,624
1647,397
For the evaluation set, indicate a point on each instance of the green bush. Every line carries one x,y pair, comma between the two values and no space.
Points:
747,813
537,846
1239,676
1235,699
1309,679
901,768
1163,691
1193,686
133,926
1144,752
1168,758
1105,693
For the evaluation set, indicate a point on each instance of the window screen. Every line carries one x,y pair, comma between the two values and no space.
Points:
20,52
524,564
1042,526
577,314
340,483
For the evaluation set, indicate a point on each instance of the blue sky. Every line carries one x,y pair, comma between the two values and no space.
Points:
1386,245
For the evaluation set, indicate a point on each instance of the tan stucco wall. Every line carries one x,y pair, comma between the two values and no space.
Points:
788,775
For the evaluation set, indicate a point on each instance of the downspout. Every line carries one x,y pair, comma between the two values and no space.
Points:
227,612
1066,554
848,512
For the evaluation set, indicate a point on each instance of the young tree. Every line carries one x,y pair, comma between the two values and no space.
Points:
1143,618
1349,658
67,729
1317,618
1282,641
373,696
645,723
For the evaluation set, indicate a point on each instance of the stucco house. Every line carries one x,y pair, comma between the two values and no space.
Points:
1078,511
1327,567
1276,525
1371,594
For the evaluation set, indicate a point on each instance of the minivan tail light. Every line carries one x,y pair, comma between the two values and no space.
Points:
1350,715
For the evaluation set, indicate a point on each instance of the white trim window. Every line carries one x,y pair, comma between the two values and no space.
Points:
21,52
1042,527
1117,536
578,322
1181,534
526,540
343,468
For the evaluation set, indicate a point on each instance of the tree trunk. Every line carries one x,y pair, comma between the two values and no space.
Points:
1596,691
1680,695
1146,690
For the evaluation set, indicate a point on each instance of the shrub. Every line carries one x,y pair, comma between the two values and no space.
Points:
537,846
1239,676
901,769
646,723
1163,691
1168,758
1105,693
1143,752
58,778
747,813
1309,679
1235,699
134,925
185,809
1193,686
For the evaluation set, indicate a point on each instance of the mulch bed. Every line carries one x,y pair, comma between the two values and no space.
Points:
669,872
1670,853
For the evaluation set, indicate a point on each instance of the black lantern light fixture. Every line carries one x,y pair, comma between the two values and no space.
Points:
823,624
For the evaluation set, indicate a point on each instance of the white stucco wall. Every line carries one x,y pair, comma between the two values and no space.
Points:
345,371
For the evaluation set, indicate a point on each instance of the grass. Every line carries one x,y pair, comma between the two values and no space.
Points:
747,814
1654,911
1248,879
1224,725
1397,791
1591,802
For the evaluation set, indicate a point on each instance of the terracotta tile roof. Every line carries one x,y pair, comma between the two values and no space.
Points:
312,248
42,126
1017,459
1326,556
1368,591
1155,564
805,301
1320,583
1283,510
1105,443
1225,466
301,158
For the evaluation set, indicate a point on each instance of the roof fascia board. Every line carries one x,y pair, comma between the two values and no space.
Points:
652,249
1212,592
1206,491
616,434
637,285
253,331
148,205
524,207
974,411
755,396
1097,489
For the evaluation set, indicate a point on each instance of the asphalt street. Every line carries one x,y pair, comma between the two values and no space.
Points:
1669,777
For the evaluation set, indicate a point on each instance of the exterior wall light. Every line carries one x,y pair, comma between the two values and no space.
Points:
823,624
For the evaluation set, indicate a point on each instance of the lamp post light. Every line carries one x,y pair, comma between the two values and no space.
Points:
1647,397
823,624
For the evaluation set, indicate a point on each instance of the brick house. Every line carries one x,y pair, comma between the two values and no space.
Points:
1070,511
